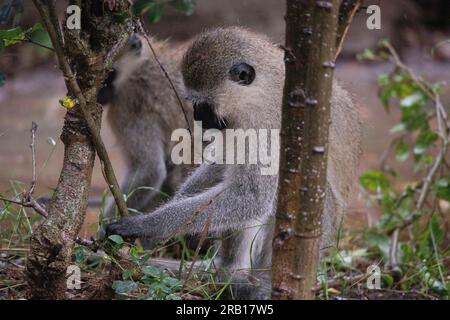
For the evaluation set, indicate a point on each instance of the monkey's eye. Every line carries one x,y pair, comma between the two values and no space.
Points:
242,73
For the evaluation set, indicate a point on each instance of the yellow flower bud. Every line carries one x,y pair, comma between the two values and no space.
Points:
68,103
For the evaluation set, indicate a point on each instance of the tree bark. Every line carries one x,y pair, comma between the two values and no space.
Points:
310,47
87,53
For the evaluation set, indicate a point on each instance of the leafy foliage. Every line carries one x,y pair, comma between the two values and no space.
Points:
16,35
415,207
146,281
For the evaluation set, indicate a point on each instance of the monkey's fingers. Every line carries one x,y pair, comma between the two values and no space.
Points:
121,228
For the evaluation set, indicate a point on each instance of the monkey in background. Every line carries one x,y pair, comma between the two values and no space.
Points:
143,111
235,80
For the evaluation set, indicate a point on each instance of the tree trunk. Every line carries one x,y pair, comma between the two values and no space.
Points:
53,242
310,46
88,55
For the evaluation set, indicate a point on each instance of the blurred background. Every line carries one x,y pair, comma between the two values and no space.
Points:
34,84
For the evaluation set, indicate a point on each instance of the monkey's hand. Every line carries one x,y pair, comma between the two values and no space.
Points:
124,228
144,227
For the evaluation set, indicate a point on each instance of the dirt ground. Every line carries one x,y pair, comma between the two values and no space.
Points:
33,93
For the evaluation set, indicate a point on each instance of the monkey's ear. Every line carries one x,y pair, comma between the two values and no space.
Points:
242,73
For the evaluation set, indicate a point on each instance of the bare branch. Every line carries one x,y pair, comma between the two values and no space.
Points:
27,198
51,22
347,12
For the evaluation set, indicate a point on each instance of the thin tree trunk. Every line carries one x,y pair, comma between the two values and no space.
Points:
88,54
310,47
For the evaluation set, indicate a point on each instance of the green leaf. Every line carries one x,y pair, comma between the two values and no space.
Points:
124,286
374,181
151,271
401,151
388,280
42,37
12,36
443,188
80,254
413,99
424,141
37,27
171,282
367,54
116,239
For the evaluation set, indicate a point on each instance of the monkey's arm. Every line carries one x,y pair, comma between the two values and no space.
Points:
148,175
224,207
205,177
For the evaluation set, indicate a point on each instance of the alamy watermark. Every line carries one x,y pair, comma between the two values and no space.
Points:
231,146
374,20
73,274
374,277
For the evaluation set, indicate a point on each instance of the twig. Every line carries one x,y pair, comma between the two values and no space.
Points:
397,61
27,199
91,244
393,262
33,156
203,236
346,14
180,102
49,17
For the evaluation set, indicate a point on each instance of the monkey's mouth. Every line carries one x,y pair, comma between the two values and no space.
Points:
205,113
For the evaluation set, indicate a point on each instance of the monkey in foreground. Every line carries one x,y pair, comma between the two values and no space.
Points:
143,112
235,79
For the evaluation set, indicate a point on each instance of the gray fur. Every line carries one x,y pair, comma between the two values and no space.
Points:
237,201
143,113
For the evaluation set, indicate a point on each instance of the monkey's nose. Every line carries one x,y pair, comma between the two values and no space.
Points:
135,42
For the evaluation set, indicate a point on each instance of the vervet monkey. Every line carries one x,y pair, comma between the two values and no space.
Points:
143,112
235,79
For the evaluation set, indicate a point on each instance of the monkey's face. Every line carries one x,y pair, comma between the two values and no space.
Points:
226,72
129,60
209,107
